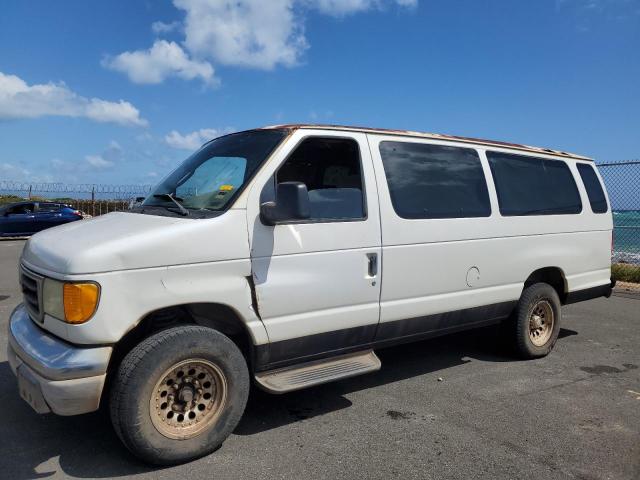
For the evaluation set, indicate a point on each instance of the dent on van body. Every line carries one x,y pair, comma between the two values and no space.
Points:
312,277
200,261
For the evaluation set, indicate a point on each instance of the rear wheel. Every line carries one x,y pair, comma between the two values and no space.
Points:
179,394
535,323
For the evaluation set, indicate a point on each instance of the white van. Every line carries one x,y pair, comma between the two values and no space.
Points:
286,255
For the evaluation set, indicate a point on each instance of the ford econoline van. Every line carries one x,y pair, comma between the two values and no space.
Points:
285,256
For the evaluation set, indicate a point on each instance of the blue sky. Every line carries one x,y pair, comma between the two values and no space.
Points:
121,91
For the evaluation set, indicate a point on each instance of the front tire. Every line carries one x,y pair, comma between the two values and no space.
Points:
179,394
536,321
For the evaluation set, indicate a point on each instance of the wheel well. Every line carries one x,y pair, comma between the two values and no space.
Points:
217,316
551,275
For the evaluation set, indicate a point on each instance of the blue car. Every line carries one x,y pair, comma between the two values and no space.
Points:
27,218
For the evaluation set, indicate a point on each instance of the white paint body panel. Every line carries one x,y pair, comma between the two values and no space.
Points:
313,277
425,262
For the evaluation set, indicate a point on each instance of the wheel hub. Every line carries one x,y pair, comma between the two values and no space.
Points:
541,323
188,398
186,394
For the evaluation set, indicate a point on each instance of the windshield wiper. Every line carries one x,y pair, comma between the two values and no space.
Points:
183,211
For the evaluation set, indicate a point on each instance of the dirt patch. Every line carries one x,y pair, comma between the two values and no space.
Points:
627,287
396,415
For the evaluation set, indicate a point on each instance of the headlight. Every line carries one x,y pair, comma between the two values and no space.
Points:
70,302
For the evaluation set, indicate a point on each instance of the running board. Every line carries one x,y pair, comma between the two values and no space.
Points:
318,372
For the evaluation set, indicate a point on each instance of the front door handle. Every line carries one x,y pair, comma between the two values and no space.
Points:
373,264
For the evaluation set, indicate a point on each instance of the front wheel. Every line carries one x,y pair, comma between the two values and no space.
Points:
535,323
179,394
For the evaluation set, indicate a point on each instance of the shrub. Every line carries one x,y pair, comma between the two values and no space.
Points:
625,272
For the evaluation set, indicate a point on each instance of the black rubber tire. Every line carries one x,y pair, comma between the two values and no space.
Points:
141,369
519,327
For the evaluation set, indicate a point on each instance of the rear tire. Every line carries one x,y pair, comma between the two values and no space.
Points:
179,394
535,323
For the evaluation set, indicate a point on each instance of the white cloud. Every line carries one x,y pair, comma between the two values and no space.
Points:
161,27
90,163
407,3
107,159
247,33
193,140
346,7
98,162
20,100
164,59
257,33
9,171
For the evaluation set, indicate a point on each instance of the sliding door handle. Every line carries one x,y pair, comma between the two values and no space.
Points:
373,264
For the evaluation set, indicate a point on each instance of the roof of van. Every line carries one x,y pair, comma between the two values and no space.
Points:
434,136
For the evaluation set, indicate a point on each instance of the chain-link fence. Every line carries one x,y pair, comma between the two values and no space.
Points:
622,180
90,199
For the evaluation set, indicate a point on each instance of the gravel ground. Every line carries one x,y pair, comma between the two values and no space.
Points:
454,407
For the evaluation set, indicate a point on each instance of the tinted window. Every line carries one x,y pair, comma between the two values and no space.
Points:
21,209
594,189
432,181
533,186
49,207
330,168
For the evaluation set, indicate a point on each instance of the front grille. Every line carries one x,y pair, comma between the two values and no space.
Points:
31,285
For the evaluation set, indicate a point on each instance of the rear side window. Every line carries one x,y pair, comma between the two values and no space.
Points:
533,186
434,181
594,189
49,207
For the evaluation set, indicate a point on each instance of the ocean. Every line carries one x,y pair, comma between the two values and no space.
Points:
626,231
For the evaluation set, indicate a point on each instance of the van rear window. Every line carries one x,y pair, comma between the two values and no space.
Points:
435,181
594,189
533,186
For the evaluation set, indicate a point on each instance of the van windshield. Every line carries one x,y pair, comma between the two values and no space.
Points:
210,178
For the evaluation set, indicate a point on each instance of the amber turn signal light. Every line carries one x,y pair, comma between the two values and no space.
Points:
80,301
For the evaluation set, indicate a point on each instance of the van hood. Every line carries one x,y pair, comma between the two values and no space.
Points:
125,241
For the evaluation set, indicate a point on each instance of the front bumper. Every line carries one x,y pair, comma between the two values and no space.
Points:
54,375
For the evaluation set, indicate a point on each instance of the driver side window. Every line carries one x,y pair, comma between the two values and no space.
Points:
331,170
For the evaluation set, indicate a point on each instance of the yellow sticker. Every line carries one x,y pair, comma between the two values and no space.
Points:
226,188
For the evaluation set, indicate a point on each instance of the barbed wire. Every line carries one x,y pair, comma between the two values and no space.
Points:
44,187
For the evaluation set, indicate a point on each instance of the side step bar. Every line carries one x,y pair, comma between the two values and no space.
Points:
318,372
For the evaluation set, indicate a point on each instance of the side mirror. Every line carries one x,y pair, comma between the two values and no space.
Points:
292,203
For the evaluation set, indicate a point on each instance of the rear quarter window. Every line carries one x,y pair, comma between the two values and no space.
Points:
49,207
533,186
594,189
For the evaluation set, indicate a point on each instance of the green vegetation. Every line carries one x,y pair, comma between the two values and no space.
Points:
625,272
4,199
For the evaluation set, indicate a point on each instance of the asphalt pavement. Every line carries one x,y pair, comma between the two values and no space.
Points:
456,407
